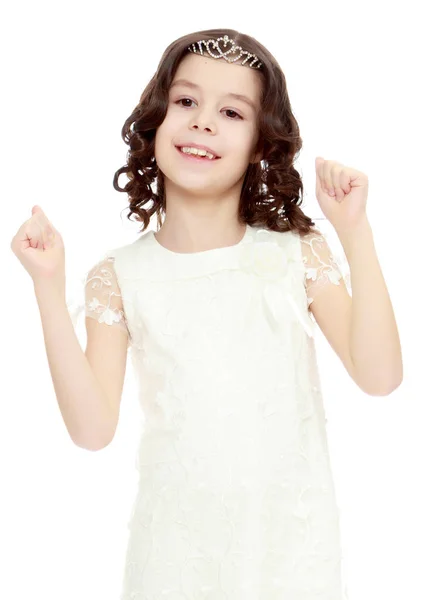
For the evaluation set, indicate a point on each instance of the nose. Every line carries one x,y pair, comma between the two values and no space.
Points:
205,128
204,123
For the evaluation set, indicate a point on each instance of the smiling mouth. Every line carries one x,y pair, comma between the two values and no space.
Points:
196,157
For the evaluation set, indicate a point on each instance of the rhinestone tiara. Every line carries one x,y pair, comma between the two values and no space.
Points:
224,53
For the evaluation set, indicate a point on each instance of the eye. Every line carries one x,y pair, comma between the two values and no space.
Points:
226,109
232,111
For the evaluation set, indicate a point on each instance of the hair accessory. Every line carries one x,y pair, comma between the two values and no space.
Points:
223,53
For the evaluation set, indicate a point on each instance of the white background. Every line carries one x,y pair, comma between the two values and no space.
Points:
72,73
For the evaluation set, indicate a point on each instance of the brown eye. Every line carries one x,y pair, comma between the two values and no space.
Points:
232,111
184,100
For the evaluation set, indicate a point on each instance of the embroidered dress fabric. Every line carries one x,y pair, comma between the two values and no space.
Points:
235,498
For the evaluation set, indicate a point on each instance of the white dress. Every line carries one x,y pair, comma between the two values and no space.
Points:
235,499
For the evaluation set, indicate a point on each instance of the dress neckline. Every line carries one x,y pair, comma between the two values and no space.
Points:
222,249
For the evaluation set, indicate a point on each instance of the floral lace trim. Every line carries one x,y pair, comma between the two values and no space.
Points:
105,305
322,266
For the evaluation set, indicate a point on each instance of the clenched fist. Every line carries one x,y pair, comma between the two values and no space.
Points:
40,249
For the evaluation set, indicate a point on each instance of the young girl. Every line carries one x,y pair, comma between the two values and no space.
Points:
218,306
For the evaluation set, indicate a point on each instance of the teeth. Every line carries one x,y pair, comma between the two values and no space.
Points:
196,151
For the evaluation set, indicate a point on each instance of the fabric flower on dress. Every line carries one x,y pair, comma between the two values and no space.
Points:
264,258
275,272
107,315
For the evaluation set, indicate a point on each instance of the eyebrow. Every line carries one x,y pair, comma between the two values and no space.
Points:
195,86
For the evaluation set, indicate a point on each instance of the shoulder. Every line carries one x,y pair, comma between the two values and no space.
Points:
301,246
130,247
124,257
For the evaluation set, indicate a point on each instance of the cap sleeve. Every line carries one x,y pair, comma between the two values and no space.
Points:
103,298
323,267
99,297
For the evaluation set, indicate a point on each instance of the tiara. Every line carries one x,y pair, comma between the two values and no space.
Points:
223,53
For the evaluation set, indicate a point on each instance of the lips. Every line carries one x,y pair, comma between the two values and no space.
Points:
199,147
195,158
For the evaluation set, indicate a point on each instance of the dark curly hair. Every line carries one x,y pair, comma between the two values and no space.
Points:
271,188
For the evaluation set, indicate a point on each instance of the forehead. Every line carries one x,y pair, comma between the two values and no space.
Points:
217,76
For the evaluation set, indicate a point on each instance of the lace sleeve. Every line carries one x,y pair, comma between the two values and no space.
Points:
103,299
322,266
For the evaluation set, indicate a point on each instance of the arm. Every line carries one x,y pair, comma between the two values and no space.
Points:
83,403
338,314
374,339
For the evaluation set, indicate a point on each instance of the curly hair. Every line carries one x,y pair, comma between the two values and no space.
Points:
270,193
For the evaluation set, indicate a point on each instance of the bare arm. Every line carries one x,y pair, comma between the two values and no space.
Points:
84,405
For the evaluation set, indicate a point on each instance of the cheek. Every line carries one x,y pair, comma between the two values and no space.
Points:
164,134
171,128
241,144
175,117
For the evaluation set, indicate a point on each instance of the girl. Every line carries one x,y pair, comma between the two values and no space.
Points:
235,498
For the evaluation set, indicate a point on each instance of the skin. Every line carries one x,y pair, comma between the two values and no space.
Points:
202,200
